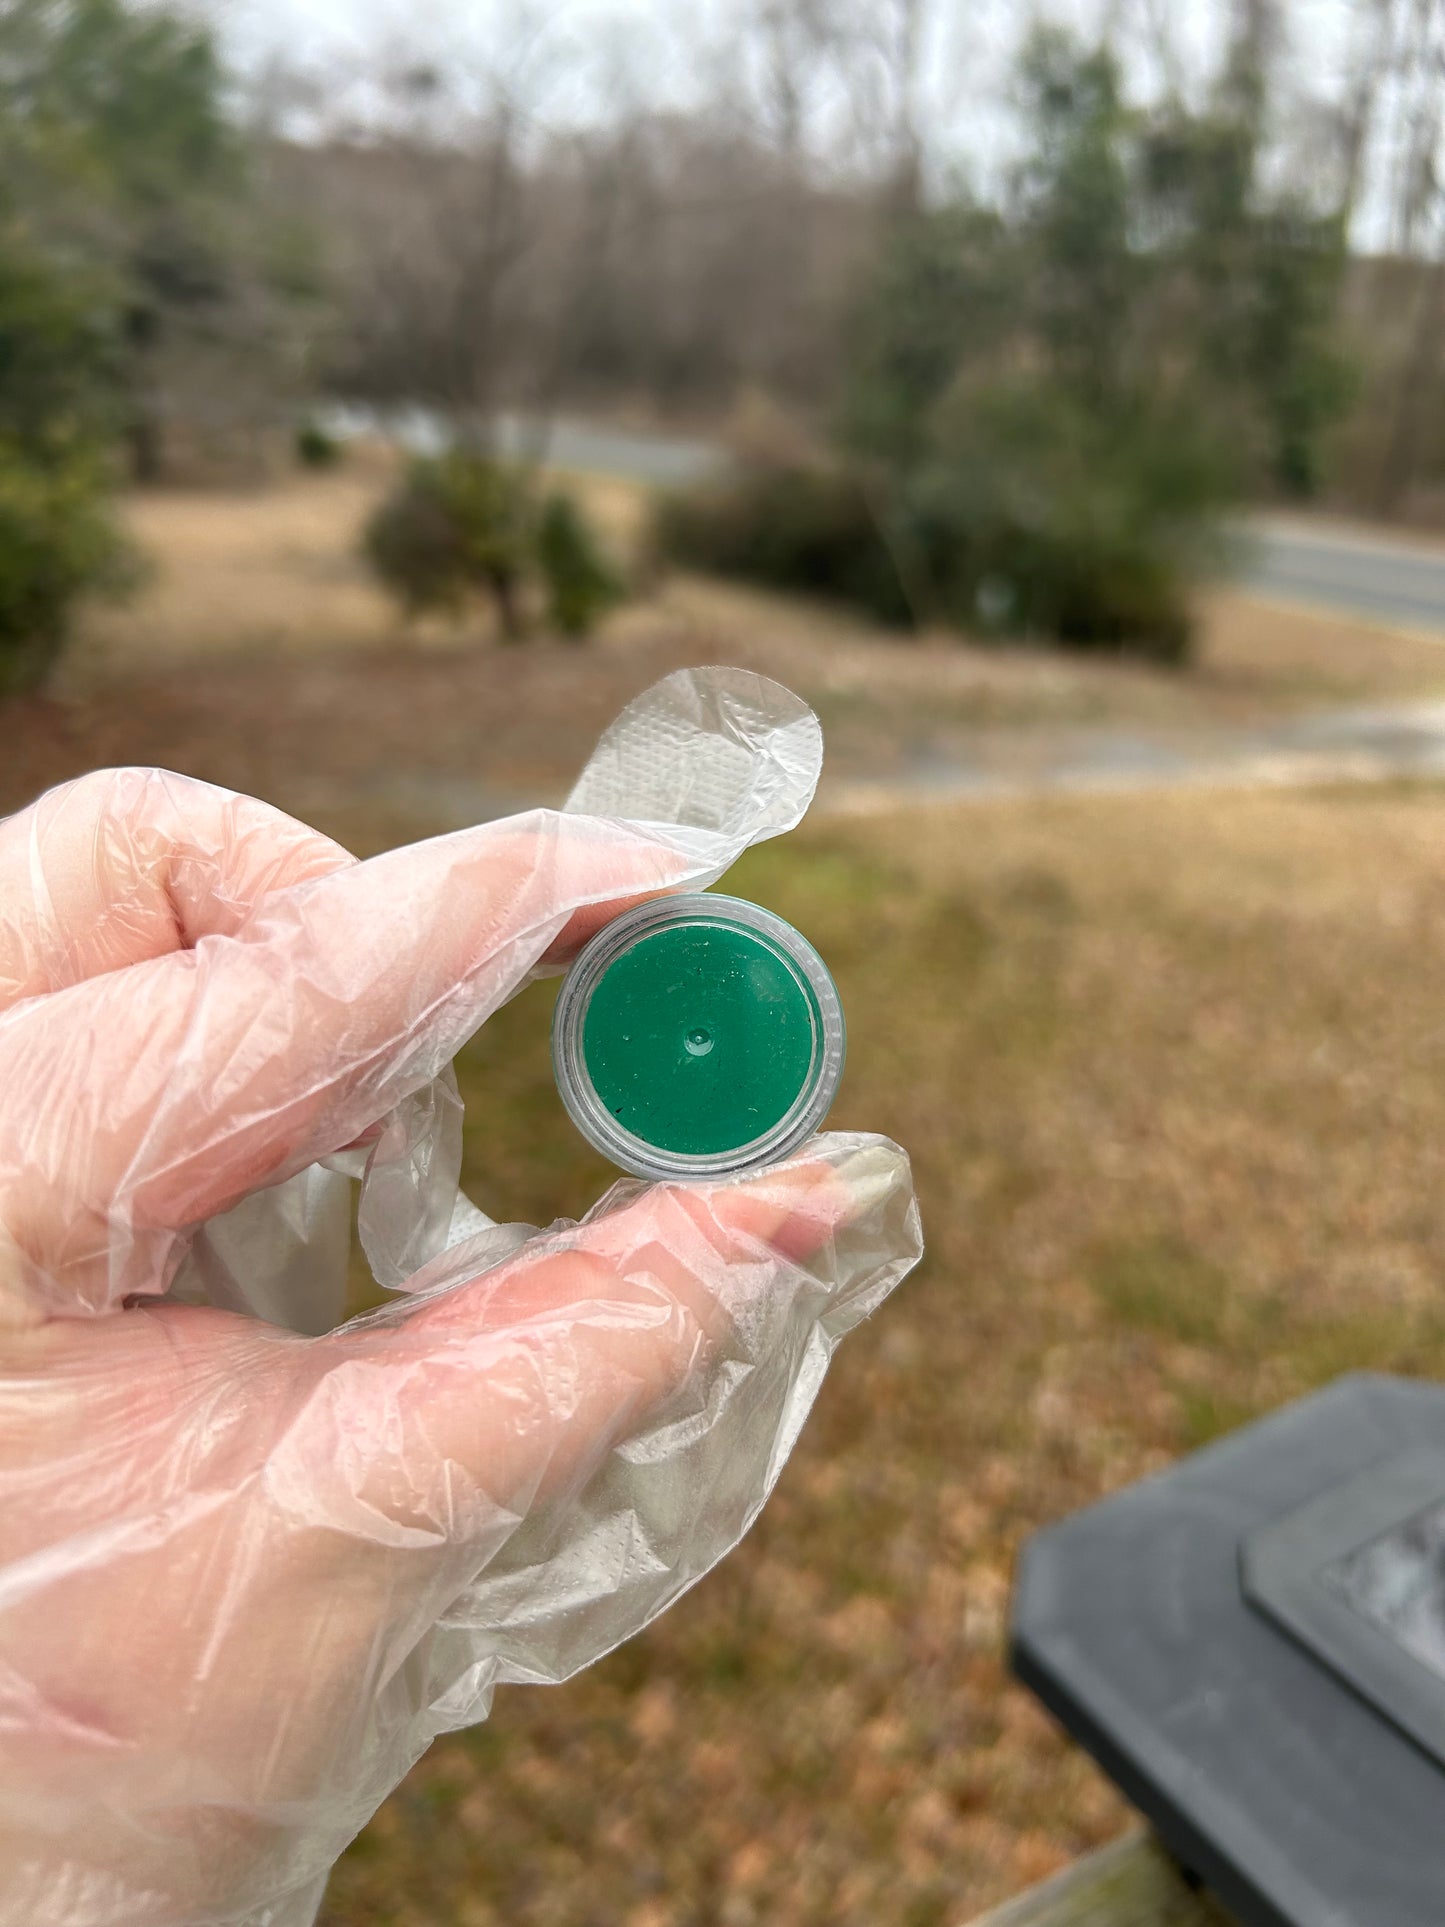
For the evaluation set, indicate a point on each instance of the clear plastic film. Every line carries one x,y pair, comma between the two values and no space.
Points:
252,1560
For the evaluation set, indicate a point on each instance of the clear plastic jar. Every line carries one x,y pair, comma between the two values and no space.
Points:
697,1035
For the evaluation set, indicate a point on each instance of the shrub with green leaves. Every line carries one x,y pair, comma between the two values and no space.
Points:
59,540
57,353
1024,520
315,448
462,525
458,525
581,586
806,529
1032,516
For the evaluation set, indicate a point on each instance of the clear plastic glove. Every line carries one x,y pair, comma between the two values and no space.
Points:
249,1565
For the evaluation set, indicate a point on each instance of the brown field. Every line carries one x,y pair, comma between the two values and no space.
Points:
1172,1070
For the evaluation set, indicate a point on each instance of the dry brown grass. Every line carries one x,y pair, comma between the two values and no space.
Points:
1295,655
1171,1072
270,569
277,570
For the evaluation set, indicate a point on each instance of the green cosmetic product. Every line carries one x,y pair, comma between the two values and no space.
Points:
695,1036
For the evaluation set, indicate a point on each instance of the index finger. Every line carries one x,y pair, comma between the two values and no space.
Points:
142,1102
124,865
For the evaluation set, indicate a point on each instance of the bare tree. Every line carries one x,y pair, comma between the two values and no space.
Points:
794,39
428,200
1416,191
1161,39
1256,36
1373,57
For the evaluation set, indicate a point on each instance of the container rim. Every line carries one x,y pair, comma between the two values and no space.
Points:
592,1117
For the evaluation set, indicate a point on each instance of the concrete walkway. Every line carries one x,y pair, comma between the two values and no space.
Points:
1390,744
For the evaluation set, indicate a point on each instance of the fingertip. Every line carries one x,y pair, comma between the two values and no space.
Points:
794,1208
592,917
629,866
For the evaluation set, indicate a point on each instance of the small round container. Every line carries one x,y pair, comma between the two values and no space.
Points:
695,1036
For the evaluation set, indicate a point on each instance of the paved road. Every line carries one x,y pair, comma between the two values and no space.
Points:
1386,578
1392,579
663,461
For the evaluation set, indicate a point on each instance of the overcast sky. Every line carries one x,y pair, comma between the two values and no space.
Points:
971,39
663,50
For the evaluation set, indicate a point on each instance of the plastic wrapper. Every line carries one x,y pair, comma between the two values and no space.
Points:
253,1560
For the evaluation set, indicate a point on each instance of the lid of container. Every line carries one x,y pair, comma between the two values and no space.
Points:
697,1035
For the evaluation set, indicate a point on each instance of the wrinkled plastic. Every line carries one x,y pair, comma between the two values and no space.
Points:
253,1561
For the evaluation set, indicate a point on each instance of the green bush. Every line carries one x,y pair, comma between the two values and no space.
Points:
461,525
1028,516
806,529
58,541
315,448
57,354
1032,516
458,525
581,587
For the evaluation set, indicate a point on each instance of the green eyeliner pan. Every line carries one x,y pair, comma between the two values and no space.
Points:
695,1036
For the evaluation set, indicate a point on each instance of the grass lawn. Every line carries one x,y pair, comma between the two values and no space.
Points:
1172,1071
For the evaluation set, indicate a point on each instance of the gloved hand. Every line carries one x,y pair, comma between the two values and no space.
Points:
246,1574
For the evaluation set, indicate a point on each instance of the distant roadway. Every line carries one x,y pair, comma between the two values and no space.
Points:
1387,578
